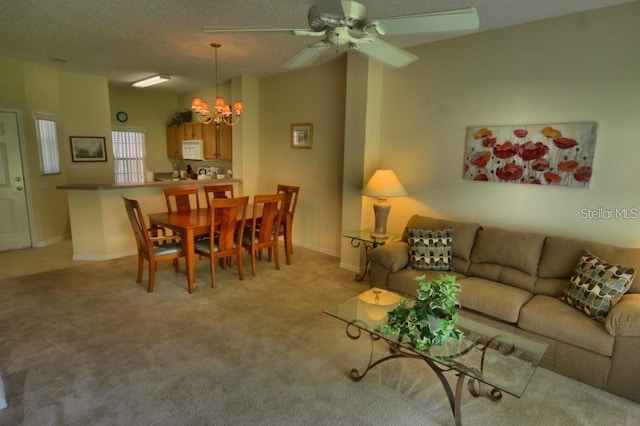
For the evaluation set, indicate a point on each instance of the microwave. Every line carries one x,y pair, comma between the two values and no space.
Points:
193,149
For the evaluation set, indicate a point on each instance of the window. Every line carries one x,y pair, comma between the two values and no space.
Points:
47,134
128,154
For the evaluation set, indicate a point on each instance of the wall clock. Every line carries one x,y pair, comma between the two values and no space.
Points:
122,116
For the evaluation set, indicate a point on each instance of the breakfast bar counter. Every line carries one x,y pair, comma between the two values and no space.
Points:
100,229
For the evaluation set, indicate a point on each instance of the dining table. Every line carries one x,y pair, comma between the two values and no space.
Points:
189,224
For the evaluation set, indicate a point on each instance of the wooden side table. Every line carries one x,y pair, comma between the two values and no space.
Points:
363,238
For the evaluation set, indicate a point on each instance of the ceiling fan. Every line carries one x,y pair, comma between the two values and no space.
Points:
343,22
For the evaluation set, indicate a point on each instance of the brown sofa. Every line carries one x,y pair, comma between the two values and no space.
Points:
514,280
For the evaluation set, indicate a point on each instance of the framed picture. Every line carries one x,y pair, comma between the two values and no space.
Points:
301,135
534,154
88,148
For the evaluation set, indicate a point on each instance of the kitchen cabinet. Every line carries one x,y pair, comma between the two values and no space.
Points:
225,151
174,141
216,140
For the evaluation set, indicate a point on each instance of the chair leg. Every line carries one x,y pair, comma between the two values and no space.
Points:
140,268
212,263
239,261
253,262
152,276
287,242
276,257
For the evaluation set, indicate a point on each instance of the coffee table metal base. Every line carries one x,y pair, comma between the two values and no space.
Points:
476,388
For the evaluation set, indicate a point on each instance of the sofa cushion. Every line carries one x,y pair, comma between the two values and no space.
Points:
491,298
519,250
596,285
430,249
465,233
561,254
550,317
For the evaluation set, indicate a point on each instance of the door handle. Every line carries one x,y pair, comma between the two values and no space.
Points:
19,188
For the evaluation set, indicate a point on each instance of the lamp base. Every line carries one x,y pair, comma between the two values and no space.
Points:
379,236
381,210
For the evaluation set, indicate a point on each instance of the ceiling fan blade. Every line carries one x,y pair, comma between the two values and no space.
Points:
385,52
307,55
449,20
331,8
211,29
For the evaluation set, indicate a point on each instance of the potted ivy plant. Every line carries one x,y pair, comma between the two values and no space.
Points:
431,318
181,117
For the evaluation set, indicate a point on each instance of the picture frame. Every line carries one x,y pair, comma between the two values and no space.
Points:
88,149
551,154
302,135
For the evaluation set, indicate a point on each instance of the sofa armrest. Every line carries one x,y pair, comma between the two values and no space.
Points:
392,256
624,317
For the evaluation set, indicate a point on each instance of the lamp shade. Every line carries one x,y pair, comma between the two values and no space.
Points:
384,184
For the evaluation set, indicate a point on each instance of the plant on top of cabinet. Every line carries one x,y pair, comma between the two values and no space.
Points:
181,117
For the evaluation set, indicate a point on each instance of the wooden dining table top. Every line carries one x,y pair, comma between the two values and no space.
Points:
196,219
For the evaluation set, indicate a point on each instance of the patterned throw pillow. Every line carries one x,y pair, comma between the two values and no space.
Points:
429,249
597,285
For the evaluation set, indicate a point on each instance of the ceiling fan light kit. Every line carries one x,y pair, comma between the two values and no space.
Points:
345,23
221,112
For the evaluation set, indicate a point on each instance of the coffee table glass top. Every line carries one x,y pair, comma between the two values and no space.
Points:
499,358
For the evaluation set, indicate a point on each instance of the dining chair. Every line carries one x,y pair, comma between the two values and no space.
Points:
183,198
217,191
263,232
228,216
152,248
288,210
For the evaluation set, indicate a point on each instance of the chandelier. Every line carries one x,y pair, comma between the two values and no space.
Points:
222,112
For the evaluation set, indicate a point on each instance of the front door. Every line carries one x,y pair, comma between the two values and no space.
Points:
14,220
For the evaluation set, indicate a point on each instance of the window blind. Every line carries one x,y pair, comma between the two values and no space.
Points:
129,156
47,134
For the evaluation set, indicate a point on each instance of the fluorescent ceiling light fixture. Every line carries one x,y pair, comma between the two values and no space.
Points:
156,79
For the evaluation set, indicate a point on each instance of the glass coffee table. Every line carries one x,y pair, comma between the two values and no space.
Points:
493,360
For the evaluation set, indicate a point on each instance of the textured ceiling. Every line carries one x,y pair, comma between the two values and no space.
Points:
127,40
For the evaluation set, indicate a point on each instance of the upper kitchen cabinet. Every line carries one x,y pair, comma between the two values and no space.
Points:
216,140
225,151
175,136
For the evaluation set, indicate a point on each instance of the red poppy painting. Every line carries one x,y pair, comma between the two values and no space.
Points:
539,154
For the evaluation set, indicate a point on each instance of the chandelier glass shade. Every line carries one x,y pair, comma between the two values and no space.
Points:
221,111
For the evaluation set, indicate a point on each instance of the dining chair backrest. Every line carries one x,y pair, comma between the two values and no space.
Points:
184,198
290,199
136,219
267,213
288,210
217,191
228,217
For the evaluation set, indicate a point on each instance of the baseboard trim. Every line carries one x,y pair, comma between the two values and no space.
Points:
50,241
316,248
104,257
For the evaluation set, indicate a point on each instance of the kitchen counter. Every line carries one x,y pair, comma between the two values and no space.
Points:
163,183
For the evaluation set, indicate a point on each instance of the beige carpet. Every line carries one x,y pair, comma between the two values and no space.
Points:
87,345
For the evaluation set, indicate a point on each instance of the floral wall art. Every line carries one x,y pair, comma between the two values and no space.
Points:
541,154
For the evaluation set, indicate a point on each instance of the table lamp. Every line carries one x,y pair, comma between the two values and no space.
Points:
383,184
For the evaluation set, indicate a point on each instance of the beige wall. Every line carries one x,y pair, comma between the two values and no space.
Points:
583,67
84,105
148,111
314,95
